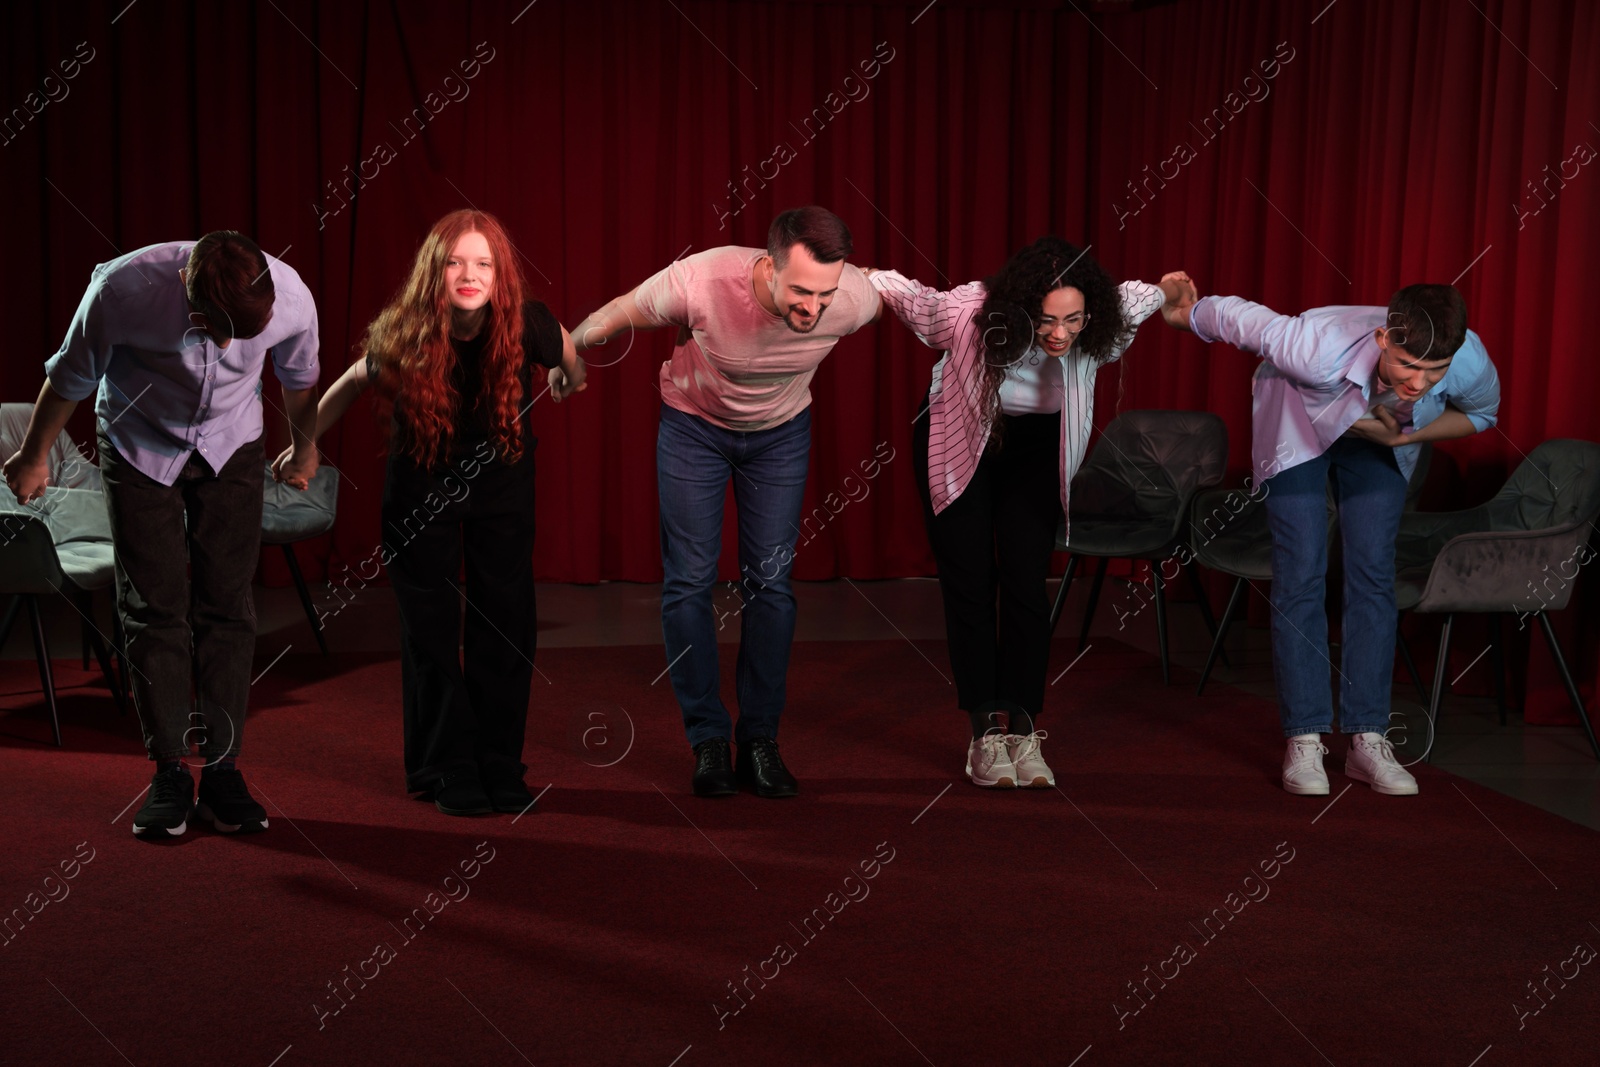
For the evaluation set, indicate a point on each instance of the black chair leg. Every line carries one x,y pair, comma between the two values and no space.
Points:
1061,594
1203,602
1404,649
305,598
1161,622
1094,600
1438,680
1566,679
1497,663
41,652
1234,599
83,640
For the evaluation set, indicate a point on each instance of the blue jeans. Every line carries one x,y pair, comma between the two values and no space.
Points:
694,460
1370,493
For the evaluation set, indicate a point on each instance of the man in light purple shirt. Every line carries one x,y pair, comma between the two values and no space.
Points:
1346,393
173,338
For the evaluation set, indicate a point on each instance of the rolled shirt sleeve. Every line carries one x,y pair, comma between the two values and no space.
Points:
74,372
1478,395
294,358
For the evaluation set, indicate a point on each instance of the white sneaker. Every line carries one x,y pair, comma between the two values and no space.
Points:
989,762
1302,766
1032,771
1371,760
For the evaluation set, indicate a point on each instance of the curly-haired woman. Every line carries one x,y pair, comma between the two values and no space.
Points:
453,357
1004,429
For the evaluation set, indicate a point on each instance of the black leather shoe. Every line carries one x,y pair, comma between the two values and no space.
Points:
713,769
762,769
461,793
508,793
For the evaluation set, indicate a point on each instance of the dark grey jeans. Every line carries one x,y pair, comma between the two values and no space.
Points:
185,556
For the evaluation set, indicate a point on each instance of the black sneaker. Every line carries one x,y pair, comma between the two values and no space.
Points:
227,805
508,793
166,807
713,769
461,793
762,769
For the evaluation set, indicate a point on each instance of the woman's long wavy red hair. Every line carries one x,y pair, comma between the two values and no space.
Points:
410,342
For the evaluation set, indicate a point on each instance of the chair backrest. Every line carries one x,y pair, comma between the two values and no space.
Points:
28,561
69,467
1149,464
1558,483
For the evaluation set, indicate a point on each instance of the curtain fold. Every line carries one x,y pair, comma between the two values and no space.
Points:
1299,153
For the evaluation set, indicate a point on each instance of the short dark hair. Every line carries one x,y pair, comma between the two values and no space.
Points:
823,233
229,283
1428,321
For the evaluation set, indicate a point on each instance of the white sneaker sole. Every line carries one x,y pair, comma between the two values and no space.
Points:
1386,790
157,831
1039,782
1306,789
1005,781
204,813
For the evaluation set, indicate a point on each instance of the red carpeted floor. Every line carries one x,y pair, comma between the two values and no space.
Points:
627,922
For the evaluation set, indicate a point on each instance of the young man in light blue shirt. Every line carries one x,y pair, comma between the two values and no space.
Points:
1346,393
172,340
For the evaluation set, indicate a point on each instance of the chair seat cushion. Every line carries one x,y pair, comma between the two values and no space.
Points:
88,564
1241,556
288,515
1118,538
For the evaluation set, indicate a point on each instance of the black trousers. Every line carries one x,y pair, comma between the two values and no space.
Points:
998,536
465,692
185,555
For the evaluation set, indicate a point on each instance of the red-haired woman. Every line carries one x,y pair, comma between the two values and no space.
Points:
453,355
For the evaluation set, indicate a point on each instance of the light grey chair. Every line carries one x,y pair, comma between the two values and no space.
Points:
289,516
60,545
1520,552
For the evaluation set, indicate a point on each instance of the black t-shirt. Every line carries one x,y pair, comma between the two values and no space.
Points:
541,347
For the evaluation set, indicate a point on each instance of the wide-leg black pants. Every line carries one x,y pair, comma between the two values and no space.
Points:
998,536
465,689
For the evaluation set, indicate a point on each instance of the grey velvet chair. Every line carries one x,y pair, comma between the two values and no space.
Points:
1131,498
61,544
288,516
1520,552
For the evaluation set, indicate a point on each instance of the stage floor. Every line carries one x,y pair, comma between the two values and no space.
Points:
1169,903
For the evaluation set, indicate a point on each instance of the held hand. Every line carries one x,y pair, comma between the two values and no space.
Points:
296,468
1382,430
27,478
277,464
563,385
1181,295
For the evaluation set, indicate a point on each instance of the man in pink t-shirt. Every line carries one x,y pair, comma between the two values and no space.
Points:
752,327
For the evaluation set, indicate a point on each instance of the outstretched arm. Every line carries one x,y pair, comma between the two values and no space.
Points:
570,377
334,403
616,317
301,465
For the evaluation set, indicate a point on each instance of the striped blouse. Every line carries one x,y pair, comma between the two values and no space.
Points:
957,435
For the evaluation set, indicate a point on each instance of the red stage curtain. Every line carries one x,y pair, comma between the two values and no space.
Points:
1392,143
